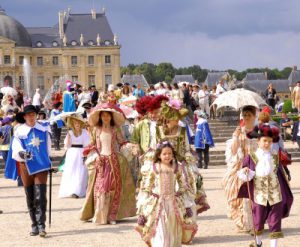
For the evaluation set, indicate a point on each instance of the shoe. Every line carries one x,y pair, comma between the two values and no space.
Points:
205,166
40,193
112,222
74,196
200,165
1,212
255,245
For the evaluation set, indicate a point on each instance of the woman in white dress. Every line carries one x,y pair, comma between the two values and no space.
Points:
75,175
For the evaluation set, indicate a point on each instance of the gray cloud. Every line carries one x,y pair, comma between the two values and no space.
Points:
216,34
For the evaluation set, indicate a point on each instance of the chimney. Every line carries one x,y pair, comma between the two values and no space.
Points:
294,67
61,24
93,11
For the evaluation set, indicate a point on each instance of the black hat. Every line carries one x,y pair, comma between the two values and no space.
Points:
27,109
120,84
57,104
87,105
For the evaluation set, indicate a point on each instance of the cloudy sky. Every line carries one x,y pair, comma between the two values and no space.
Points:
215,34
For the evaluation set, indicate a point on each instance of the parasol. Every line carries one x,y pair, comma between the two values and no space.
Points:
239,98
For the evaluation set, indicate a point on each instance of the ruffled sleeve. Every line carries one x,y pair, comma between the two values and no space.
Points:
232,159
146,186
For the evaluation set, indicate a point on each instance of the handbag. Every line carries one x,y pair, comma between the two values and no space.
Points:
284,157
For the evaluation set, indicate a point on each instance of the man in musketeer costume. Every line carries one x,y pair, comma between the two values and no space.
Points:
29,159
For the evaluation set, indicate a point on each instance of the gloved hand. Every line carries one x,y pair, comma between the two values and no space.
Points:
25,155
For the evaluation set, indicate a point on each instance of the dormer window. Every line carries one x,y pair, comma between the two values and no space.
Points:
90,42
54,44
73,42
107,42
39,44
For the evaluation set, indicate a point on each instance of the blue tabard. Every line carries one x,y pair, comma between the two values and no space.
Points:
36,143
68,102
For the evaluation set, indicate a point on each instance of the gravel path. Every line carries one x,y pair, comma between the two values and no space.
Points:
214,228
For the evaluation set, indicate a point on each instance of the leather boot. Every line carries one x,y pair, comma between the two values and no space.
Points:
29,191
41,206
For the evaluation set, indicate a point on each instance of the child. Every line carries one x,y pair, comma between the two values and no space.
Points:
164,220
75,175
203,139
269,191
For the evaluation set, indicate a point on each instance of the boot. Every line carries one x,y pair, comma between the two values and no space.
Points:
205,166
41,205
29,191
199,164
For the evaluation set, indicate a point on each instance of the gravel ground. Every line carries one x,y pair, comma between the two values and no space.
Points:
66,230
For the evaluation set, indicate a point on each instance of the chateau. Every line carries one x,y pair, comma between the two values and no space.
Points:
81,47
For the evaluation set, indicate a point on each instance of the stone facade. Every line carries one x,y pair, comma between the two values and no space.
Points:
91,58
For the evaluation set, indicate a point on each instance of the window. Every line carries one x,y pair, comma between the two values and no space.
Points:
39,61
107,59
21,60
74,60
91,80
6,59
55,60
40,82
21,81
108,81
91,60
74,78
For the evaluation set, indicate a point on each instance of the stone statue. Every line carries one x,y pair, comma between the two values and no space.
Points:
98,39
65,40
81,40
115,39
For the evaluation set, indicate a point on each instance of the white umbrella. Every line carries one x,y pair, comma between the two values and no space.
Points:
9,90
239,98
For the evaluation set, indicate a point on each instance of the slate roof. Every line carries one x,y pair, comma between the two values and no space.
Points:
74,26
255,76
13,30
45,35
294,77
135,79
77,24
213,78
260,86
184,78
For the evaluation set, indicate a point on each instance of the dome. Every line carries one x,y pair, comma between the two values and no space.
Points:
13,30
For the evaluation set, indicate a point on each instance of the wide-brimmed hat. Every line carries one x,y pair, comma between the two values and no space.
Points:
202,114
69,120
57,104
27,109
87,105
264,130
173,110
117,113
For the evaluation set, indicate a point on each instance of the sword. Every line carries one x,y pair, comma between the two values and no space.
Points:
52,170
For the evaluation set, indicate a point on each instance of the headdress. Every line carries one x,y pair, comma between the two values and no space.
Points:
173,110
142,103
117,114
27,109
69,120
156,102
264,130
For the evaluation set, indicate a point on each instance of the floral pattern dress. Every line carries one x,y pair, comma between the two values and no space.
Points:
163,217
237,208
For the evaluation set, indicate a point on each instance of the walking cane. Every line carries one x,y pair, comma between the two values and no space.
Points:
52,170
250,205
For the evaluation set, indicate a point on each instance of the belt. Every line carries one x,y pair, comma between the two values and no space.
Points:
76,146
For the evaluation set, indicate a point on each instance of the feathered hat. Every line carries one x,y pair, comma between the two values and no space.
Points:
264,130
173,110
156,102
142,103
